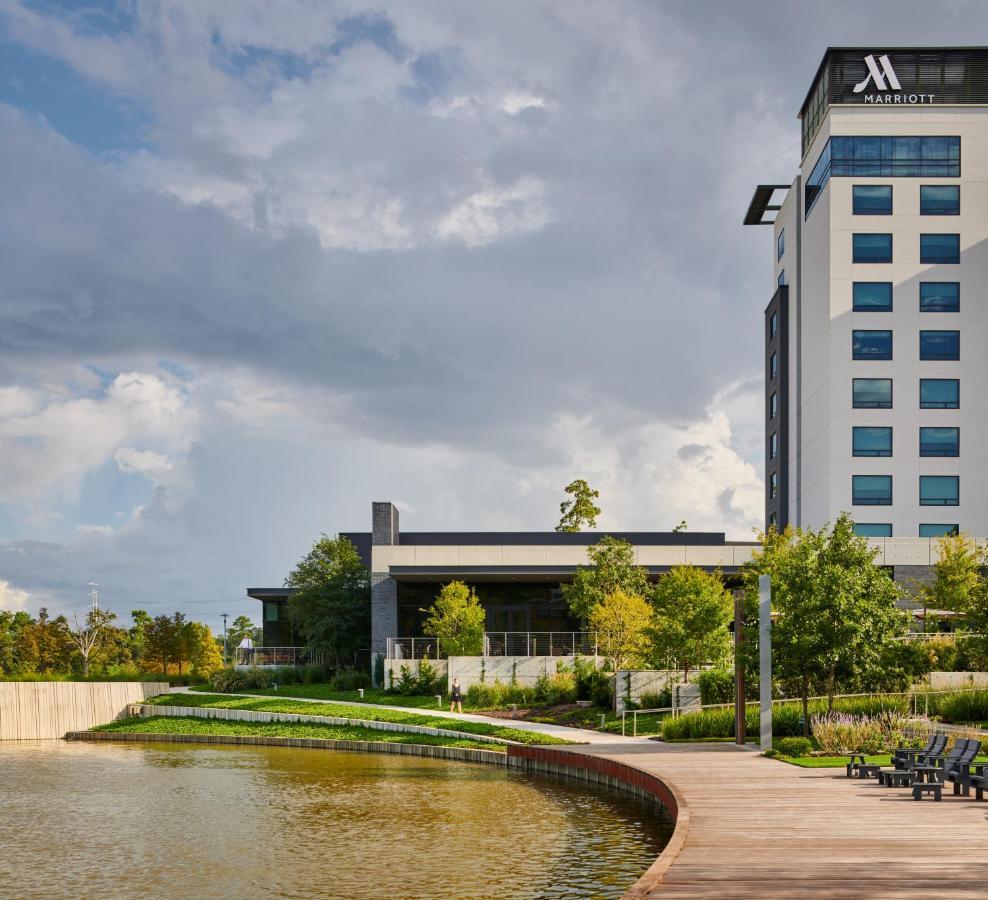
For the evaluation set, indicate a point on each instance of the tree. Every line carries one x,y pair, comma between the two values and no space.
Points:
242,627
163,642
957,575
580,511
836,609
456,619
199,648
330,607
692,612
621,622
681,527
89,638
11,625
43,647
612,568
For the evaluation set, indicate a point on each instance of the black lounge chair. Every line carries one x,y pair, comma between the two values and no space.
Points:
960,775
956,768
903,756
979,781
932,751
906,777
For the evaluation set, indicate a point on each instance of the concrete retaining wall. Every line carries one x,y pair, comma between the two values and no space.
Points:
146,710
525,670
949,681
41,710
392,669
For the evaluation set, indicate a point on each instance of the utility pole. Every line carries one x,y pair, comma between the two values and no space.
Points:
94,596
226,653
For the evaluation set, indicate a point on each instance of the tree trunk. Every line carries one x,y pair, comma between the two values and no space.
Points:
831,687
85,665
806,708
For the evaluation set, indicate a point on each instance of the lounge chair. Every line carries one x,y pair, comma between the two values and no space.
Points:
956,768
902,759
960,775
908,776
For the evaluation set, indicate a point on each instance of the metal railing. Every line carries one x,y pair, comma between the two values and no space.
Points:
413,648
540,643
277,656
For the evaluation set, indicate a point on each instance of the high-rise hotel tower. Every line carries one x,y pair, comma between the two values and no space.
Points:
876,336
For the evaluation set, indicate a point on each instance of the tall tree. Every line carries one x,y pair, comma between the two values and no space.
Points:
90,637
199,649
692,612
43,647
957,575
11,625
621,622
331,604
163,643
579,511
456,619
612,568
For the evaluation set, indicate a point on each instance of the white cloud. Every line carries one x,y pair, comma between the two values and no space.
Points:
516,101
13,599
487,215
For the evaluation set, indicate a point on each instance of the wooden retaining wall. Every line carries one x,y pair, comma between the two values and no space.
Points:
43,710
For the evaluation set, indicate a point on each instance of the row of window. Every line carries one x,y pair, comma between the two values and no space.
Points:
935,249
934,296
928,156
934,200
876,393
872,440
884,529
933,345
876,490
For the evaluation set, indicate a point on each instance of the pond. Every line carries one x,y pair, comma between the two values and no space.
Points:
157,820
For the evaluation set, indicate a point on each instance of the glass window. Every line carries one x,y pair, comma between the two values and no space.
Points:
871,393
939,248
773,365
773,406
782,278
939,200
871,344
773,486
271,612
873,529
773,325
871,490
939,296
782,244
931,530
773,445
873,248
939,393
872,199
869,441
939,345
872,296
939,442
773,520
939,490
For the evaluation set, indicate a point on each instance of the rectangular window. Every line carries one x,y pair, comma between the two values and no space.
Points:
782,278
871,393
939,200
773,486
873,529
936,530
939,442
782,244
271,612
773,365
939,296
872,296
773,406
871,490
939,490
872,199
869,441
773,325
773,445
939,248
871,344
773,520
939,345
939,393
873,248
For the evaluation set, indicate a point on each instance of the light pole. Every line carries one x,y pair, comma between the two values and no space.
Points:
226,652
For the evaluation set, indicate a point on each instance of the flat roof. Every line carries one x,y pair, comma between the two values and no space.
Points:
554,538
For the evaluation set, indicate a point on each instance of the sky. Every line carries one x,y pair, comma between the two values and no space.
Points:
262,263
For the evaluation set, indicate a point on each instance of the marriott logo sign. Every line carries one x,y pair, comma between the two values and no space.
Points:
887,89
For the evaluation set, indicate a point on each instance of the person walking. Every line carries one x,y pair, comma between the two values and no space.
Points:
456,696
247,651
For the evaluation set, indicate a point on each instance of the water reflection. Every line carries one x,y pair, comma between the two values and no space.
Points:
184,821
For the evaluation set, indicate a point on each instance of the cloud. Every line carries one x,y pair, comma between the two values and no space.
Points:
13,599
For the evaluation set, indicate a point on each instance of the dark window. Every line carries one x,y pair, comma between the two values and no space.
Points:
939,345
871,344
939,490
938,248
939,442
869,441
773,325
931,530
773,365
872,296
773,406
882,157
873,529
873,248
871,393
939,200
773,486
782,244
773,520
773,445
782,278
872,199
871,490
939,393
271,611
939,296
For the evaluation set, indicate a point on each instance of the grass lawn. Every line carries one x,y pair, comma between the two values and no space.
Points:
832,762
188,725
323,692
353,711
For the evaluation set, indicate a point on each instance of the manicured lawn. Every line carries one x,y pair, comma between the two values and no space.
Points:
188,725
353,711
832,762
323,692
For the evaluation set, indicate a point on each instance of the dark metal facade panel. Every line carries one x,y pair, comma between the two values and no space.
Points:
779,385
510,573
761,203
559,538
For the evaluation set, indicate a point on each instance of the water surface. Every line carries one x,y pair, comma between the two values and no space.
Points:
166,820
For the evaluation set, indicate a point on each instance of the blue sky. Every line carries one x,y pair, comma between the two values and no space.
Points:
263,263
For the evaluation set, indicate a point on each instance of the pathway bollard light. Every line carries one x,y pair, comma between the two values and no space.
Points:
603,719
439,701
360,693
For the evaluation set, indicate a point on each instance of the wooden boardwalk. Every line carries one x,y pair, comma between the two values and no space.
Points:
759,828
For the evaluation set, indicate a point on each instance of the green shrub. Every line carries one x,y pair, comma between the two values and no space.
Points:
794,746
592,682
656,699
961,707
716,686
838,732
772,753
226,681
499,696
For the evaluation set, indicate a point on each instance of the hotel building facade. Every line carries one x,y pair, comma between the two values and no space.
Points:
876,370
